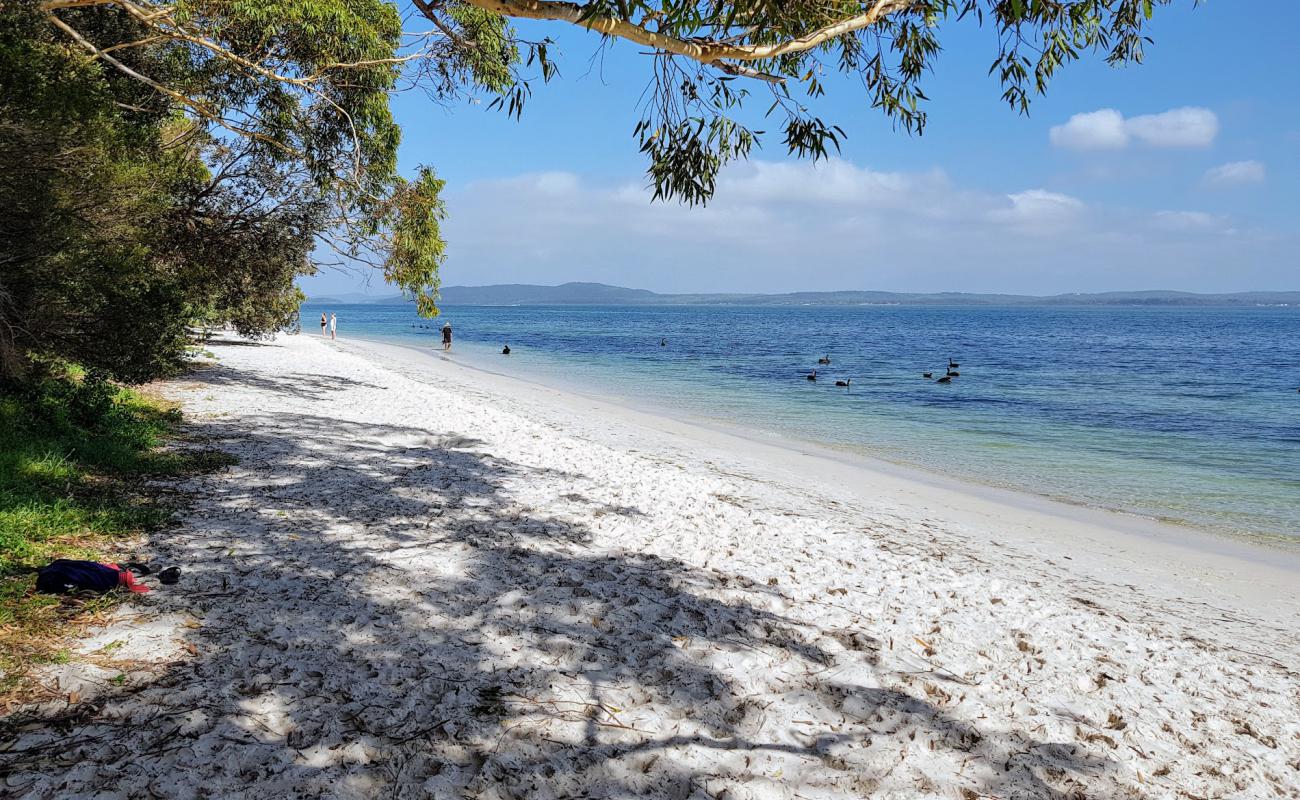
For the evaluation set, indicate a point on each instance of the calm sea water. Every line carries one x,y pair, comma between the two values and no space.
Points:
1187,415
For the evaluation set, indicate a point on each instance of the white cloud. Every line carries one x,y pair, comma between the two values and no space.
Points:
1107,129
1190,221
1038,210
831,181
1181,127
556,183
1096,130
1236,173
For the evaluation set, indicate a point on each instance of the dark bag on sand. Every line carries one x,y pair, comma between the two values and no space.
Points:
65,575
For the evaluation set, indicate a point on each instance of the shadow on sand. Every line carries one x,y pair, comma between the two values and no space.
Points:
302,385
381,615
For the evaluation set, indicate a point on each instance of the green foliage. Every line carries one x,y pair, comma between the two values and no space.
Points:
417,249
484,53
687,149
337,127
75,209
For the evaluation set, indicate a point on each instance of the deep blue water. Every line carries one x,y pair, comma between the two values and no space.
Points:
1184,414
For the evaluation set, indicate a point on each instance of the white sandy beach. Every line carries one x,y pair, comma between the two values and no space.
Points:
423,580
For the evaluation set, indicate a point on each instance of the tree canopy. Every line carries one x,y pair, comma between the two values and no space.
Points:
152,180
194,156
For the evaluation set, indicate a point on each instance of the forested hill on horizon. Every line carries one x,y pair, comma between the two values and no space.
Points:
519,294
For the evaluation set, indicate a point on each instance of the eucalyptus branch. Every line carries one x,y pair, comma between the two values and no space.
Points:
706,51
199,108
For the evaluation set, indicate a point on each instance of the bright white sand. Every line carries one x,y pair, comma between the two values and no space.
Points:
427,581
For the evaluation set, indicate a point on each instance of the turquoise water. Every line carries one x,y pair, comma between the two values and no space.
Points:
1184,414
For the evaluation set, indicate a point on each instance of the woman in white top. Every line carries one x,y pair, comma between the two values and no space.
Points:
334,324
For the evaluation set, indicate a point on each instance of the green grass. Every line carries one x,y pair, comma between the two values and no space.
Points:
74,455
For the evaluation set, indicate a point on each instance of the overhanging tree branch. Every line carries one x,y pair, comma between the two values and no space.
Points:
201,109
704,51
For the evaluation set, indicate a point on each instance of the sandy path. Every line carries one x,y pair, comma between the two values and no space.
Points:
412,589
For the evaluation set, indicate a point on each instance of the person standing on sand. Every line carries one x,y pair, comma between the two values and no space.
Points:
323,323
334,325
446,336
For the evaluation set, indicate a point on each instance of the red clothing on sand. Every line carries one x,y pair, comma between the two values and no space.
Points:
127,579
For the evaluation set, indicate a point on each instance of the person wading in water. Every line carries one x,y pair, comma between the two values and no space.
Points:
446,336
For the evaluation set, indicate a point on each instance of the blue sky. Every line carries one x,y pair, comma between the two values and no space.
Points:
1179,173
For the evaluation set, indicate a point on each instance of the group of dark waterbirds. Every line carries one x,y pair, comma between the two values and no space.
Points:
846,382
947,376
825,361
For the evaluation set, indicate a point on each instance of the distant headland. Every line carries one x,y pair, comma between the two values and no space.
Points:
521,294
